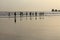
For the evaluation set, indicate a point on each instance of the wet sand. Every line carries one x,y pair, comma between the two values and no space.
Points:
7,36
40,29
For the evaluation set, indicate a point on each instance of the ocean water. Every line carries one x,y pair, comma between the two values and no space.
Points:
30,28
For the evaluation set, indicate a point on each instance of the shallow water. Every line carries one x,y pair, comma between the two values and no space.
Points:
47,28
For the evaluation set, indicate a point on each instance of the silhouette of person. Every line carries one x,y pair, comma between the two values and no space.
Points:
9,14
15,17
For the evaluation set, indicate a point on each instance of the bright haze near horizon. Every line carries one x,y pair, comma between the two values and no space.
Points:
29,5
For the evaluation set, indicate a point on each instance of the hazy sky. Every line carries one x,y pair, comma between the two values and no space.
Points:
39,5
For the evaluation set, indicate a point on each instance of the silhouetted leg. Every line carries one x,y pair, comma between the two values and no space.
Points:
30,15
35,15
40,15
26,15
20,18
21,15
9,14
15,20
